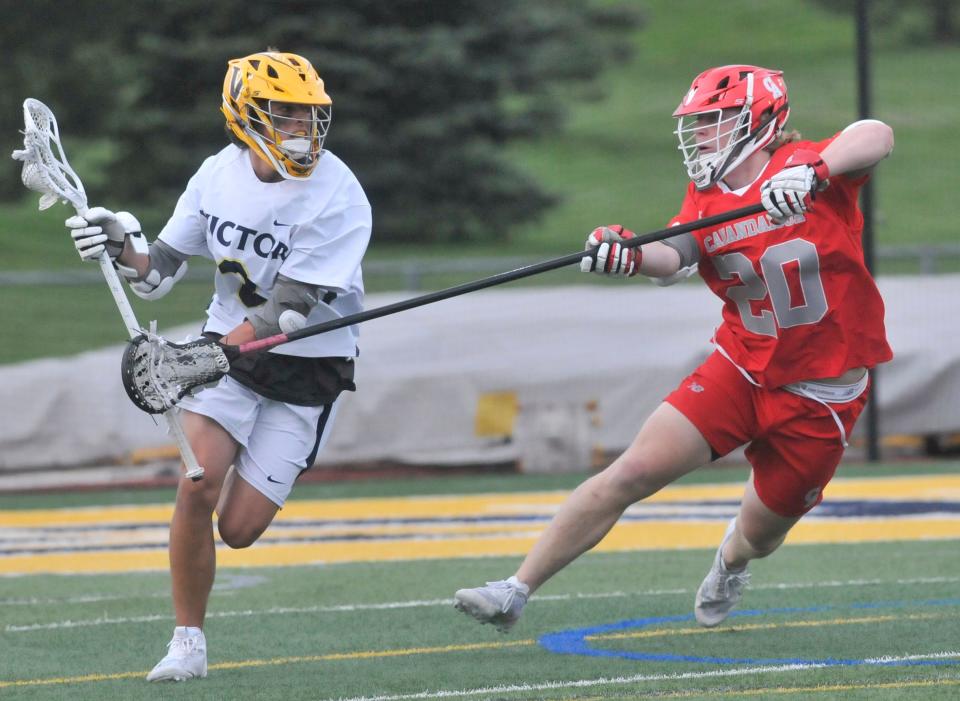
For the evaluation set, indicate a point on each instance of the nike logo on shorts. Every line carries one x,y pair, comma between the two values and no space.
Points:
270,479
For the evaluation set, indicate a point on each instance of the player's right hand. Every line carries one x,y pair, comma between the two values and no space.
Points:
101,230
611,257
790,192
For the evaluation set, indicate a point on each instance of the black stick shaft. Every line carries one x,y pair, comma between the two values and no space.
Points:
493,280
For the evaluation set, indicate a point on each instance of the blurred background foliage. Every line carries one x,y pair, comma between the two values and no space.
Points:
916,22
488,133
425,93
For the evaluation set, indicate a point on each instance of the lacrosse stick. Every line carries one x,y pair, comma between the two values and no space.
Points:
157,373
49,173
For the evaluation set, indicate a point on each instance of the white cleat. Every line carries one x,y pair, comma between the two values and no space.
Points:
186,658
499,603
721,589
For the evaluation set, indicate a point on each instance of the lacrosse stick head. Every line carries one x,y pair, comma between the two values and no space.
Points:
157,373
45,166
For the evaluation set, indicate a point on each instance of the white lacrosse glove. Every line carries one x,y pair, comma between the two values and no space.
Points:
101,230
791,191
611,257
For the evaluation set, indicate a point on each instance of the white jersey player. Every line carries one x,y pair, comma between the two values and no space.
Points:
286,224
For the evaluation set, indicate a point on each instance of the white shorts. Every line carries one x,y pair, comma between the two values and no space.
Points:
278,441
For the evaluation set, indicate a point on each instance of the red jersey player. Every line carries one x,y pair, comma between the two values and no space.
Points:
802,322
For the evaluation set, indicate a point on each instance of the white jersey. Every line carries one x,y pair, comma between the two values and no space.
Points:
314,230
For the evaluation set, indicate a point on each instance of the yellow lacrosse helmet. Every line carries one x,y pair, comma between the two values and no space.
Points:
275,104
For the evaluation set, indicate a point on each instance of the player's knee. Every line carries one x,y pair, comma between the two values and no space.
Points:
198,497
238,533
633,476
237,536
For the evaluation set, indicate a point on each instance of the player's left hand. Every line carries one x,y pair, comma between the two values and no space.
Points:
611,257
791,191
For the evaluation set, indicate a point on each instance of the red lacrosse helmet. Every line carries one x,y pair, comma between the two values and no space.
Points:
745,108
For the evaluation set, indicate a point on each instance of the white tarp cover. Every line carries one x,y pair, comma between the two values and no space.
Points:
575,367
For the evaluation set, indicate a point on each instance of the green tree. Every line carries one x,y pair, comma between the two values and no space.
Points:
918,22
425,94
59,53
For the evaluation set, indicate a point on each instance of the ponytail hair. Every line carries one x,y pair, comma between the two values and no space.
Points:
785,137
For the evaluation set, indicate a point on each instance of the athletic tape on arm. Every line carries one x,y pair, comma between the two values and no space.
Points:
686,246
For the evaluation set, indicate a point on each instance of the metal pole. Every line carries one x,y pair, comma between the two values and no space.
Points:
862,20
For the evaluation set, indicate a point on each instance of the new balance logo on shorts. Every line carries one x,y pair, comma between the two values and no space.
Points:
810,498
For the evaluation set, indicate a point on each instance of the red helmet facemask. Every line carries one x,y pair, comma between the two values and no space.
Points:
728,114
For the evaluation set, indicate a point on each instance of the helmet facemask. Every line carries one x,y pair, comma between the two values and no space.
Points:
729,113
288,139
276,105
712,144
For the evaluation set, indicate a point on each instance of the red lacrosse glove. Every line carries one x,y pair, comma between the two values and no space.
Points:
791,191
611,257
813,159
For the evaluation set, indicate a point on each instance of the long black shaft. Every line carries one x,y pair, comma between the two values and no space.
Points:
864,111
493,280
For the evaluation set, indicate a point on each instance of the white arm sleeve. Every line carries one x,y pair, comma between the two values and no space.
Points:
859,122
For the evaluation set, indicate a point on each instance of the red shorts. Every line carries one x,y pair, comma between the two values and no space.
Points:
794,443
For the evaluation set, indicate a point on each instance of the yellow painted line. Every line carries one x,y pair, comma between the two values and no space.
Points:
277,661
646,535
926,487
71,680
434,650
93,516
458,540
426,528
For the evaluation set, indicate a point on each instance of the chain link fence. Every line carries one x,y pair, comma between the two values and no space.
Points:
414,275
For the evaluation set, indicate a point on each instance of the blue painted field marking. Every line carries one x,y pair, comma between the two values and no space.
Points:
574,641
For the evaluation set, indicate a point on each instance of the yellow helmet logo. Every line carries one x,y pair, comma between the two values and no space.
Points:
275,103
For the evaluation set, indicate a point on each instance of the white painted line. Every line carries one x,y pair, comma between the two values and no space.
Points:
612,681
87,599
341,608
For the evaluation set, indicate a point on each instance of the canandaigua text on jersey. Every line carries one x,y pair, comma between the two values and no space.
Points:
731,233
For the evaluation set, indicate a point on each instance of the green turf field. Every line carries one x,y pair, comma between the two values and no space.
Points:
822,620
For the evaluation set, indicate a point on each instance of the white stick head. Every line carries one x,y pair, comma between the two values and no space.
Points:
45,171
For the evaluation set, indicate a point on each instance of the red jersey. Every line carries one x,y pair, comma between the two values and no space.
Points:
798,300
